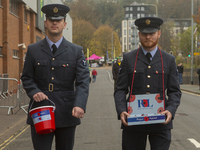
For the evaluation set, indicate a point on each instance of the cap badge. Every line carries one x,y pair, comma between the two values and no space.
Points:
147,22
55,10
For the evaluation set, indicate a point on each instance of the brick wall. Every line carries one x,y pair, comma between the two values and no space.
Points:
14,31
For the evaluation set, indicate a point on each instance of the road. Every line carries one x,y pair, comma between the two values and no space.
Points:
100,129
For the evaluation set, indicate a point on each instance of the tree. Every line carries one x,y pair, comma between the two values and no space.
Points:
197,19
85,10
101,43
166,36
82,33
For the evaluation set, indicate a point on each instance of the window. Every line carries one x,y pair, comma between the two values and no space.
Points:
15,53
25,14
127,8
131,8
129,32
142,15
127,16
0,50
129,39
129,23
124,39
124,31
138,8
138,15
13,7
38,38
129,46
142,8
124,24
131,16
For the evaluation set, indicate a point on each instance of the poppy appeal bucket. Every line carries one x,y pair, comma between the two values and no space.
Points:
43,119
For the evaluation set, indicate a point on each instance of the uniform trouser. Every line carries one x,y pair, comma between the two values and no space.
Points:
115,84
199,82
64,139
134,140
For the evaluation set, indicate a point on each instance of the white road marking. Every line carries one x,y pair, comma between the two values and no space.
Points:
110,77
193,141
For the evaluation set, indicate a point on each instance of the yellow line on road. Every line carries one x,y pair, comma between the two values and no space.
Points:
12,138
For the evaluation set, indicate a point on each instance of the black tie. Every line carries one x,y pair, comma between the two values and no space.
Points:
148,55
54,48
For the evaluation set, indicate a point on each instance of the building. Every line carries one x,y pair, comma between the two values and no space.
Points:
134,11
21,23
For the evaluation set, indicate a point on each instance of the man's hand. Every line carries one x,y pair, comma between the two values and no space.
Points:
168,115
78,112
40,96
123,117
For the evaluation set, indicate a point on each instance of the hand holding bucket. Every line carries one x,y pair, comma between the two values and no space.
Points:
43,118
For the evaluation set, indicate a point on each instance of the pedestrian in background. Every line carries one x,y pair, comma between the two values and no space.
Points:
115,70
145,63
94,75
198,72
180,72
56,69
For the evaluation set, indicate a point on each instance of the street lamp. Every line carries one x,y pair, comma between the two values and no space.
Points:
154,6
23,46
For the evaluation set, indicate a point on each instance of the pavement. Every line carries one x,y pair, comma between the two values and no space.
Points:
190,88
11,124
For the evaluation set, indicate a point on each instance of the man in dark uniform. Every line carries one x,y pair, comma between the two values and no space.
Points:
115,70
56,69
198,72
148,79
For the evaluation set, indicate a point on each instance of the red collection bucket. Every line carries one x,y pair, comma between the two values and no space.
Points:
43,118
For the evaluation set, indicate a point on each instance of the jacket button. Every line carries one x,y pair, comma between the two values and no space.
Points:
38,63
149,67
53,58
148,86
52,78
148,76
52,68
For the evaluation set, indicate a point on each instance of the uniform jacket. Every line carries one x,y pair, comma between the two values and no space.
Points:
115,70
63,77
148,79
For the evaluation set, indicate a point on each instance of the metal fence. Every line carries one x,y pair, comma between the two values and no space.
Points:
12,94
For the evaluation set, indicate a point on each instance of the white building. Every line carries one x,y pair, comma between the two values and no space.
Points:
36,5
134,11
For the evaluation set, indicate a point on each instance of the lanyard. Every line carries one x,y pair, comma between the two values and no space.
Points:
134,76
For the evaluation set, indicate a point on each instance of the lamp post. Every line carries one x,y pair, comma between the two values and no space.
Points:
192,56
154,6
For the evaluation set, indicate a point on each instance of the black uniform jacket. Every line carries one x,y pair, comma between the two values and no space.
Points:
148,79
63,77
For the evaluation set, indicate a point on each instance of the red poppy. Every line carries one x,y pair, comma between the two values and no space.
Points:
38,114
160,110
145,103
130,109
146,118
157,98
132,98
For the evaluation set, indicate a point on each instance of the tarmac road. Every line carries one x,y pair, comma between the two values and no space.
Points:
100,129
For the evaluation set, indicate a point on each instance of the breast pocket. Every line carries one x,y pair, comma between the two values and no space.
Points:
158,80
66,70
138,77
41,69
